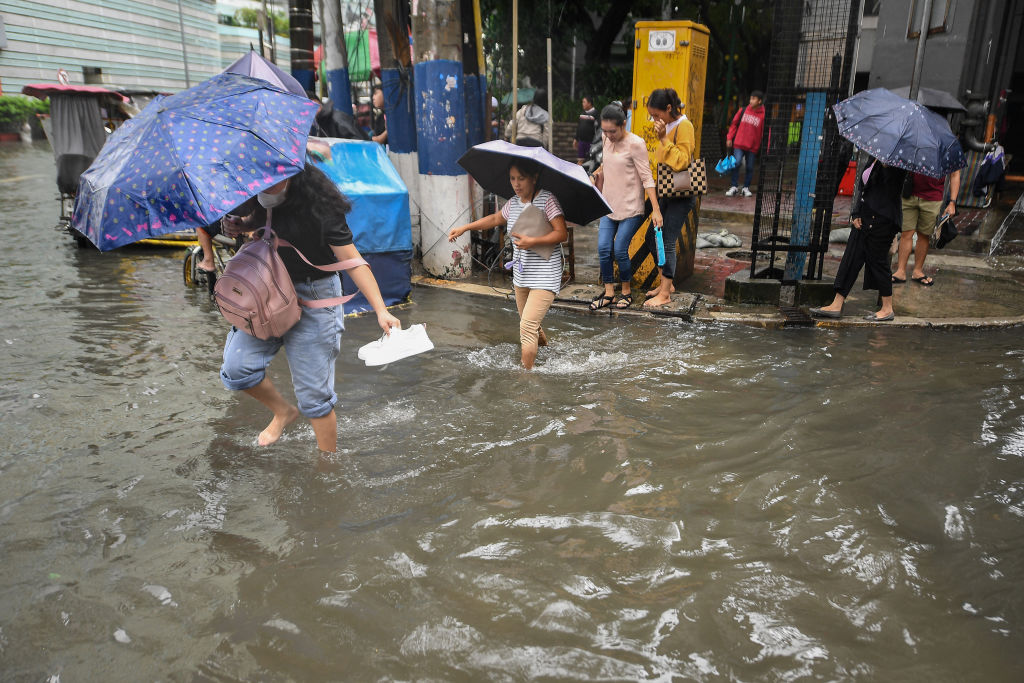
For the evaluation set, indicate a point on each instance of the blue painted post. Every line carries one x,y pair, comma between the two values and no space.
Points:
339,87
444,187
806,179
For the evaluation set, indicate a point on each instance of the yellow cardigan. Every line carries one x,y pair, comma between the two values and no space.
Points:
678,153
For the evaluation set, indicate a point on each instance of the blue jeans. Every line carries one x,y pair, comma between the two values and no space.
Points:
616,235
312,348
674,211
742,155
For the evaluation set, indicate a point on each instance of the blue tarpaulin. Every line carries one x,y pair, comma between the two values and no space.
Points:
380,222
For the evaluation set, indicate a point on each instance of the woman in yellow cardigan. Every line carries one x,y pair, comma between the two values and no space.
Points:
675,148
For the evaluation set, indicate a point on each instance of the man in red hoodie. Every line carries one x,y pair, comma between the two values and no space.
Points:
744,139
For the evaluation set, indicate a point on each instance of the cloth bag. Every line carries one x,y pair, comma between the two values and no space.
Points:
533,223
691,182
946,230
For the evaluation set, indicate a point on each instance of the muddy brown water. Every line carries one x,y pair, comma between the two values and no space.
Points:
658,501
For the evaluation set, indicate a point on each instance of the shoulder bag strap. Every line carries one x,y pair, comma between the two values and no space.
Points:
347,264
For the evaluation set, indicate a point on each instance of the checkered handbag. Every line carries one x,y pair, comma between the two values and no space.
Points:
688,183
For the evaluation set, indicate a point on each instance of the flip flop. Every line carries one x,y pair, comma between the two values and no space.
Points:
624,302
924,280
603,301
897,281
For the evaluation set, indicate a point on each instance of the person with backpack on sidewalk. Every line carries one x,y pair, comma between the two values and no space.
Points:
744,139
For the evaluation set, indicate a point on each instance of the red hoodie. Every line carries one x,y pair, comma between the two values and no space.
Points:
746,128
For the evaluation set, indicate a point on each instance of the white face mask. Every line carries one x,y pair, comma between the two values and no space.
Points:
269,201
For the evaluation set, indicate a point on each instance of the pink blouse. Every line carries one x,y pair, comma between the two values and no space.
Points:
627,171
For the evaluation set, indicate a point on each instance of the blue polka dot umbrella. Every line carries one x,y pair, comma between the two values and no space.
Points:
899,132
188,159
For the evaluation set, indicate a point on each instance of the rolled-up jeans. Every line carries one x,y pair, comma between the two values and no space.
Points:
311,346
613,237
674,212
533,305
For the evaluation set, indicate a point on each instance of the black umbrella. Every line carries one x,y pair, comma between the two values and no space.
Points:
933,99
581,201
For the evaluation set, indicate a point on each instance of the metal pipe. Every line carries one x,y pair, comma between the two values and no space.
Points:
184,50
515,67
915,78
551,128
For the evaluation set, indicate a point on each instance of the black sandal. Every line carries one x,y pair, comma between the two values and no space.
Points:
624,302
603,301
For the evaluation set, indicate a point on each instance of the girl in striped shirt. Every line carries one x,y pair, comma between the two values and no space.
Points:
536,279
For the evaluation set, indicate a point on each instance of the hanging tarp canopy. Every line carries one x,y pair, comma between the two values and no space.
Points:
380,220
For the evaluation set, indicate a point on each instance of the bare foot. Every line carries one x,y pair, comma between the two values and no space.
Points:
276,427
542,339
658,300
208,266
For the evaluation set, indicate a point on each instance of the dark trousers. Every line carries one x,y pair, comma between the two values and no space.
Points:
868,248
674,212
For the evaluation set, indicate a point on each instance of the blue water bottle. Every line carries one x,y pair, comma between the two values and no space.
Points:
660,242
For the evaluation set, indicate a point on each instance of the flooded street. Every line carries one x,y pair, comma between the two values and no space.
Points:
658,501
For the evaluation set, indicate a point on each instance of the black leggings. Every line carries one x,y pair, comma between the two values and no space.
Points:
868,248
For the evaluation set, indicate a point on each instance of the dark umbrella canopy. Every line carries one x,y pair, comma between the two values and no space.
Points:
900,133
258,67
188,159
581,201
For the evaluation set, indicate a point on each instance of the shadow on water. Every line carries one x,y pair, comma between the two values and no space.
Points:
657,501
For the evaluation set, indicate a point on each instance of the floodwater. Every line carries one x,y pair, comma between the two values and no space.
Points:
658,501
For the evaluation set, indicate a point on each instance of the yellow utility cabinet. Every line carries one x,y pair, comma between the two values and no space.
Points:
668,54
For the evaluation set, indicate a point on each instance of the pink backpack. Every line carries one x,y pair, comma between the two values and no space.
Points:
256,294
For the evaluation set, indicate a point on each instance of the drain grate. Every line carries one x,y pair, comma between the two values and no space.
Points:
795,317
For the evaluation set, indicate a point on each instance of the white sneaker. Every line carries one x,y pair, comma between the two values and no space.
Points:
396,346
731,192
746,192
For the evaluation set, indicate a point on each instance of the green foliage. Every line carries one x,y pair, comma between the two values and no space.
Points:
250,18
14,112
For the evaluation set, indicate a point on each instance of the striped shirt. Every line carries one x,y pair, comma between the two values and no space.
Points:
529,269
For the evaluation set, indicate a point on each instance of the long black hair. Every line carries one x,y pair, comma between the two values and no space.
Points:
666,99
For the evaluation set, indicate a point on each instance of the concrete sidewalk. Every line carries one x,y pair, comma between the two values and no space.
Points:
968,292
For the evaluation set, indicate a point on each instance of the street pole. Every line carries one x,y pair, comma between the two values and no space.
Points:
551,128
445,196
336,58
184,50
915,78
515,67
300,30
392,17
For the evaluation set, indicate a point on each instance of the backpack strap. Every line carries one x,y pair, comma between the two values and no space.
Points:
347,264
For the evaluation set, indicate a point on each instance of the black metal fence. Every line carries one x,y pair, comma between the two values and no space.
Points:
802,156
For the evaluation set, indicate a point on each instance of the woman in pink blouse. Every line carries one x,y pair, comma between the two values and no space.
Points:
624,177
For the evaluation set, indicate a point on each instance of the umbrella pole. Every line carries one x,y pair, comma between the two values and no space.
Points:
515,67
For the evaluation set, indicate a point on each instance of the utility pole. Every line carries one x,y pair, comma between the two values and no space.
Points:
300,30
339,87
915,78
445,197
392,17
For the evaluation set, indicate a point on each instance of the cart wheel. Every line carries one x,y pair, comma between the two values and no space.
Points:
188,270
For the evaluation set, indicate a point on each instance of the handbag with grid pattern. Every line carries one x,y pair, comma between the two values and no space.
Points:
690,182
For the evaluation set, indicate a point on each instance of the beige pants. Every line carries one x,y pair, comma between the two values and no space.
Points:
533,305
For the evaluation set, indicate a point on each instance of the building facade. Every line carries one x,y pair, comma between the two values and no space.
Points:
130,44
